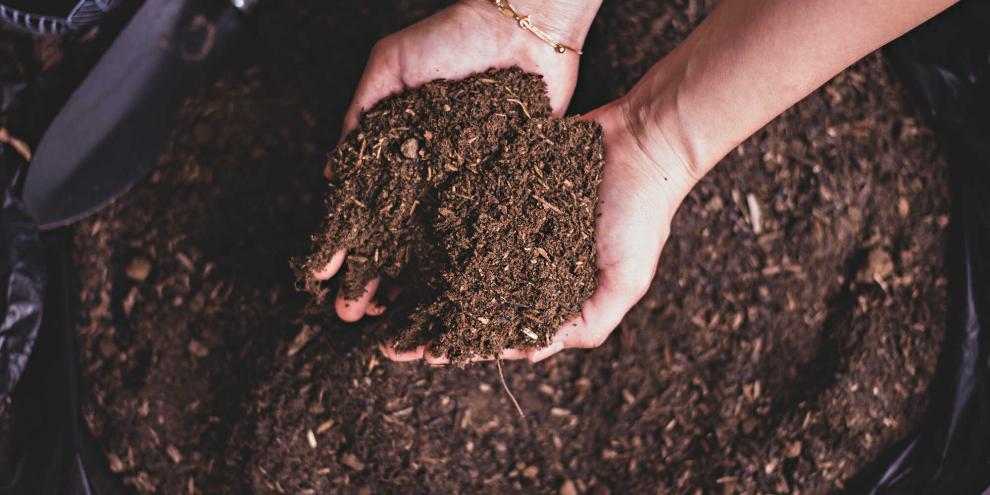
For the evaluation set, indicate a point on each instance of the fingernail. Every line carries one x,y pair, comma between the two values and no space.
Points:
546,352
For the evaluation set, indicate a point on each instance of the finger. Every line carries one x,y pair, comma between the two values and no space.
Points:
599,115
507,355
433,359
389,351
514,354
331,268
378,306
601,313
374,309
538,355
379,80
598,317
353,310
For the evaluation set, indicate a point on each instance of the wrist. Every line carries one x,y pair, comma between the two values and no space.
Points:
658,115
660,174
565,21
655,133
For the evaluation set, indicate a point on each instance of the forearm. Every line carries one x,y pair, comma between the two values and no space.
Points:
752,59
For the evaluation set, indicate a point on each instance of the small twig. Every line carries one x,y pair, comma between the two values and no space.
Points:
521,104
364,143
532,318
498,363
547,204
755,213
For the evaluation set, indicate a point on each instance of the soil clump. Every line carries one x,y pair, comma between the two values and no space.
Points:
486,198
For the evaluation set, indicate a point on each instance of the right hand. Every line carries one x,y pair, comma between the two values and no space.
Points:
645,179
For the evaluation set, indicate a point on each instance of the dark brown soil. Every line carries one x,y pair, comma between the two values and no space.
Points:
771,362
488,197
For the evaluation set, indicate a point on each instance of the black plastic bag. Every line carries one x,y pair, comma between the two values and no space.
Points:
946,65
51,452
22,281
47,449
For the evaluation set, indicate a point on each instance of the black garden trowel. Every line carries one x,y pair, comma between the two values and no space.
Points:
109,134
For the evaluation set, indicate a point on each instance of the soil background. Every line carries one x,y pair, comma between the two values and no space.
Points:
770,361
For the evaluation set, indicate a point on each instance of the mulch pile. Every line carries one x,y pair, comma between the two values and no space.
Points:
776,351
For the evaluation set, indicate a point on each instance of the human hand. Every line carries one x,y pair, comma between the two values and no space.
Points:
468,37
644,181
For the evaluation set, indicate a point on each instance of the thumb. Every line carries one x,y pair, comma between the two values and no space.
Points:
608,115
379,80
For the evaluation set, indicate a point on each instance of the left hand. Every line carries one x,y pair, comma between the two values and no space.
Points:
469,36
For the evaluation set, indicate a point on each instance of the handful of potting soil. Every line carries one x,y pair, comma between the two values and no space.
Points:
480,199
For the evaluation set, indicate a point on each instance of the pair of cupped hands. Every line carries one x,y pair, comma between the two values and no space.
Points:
644,179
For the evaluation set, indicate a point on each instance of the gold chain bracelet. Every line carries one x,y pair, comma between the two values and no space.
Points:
526,23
